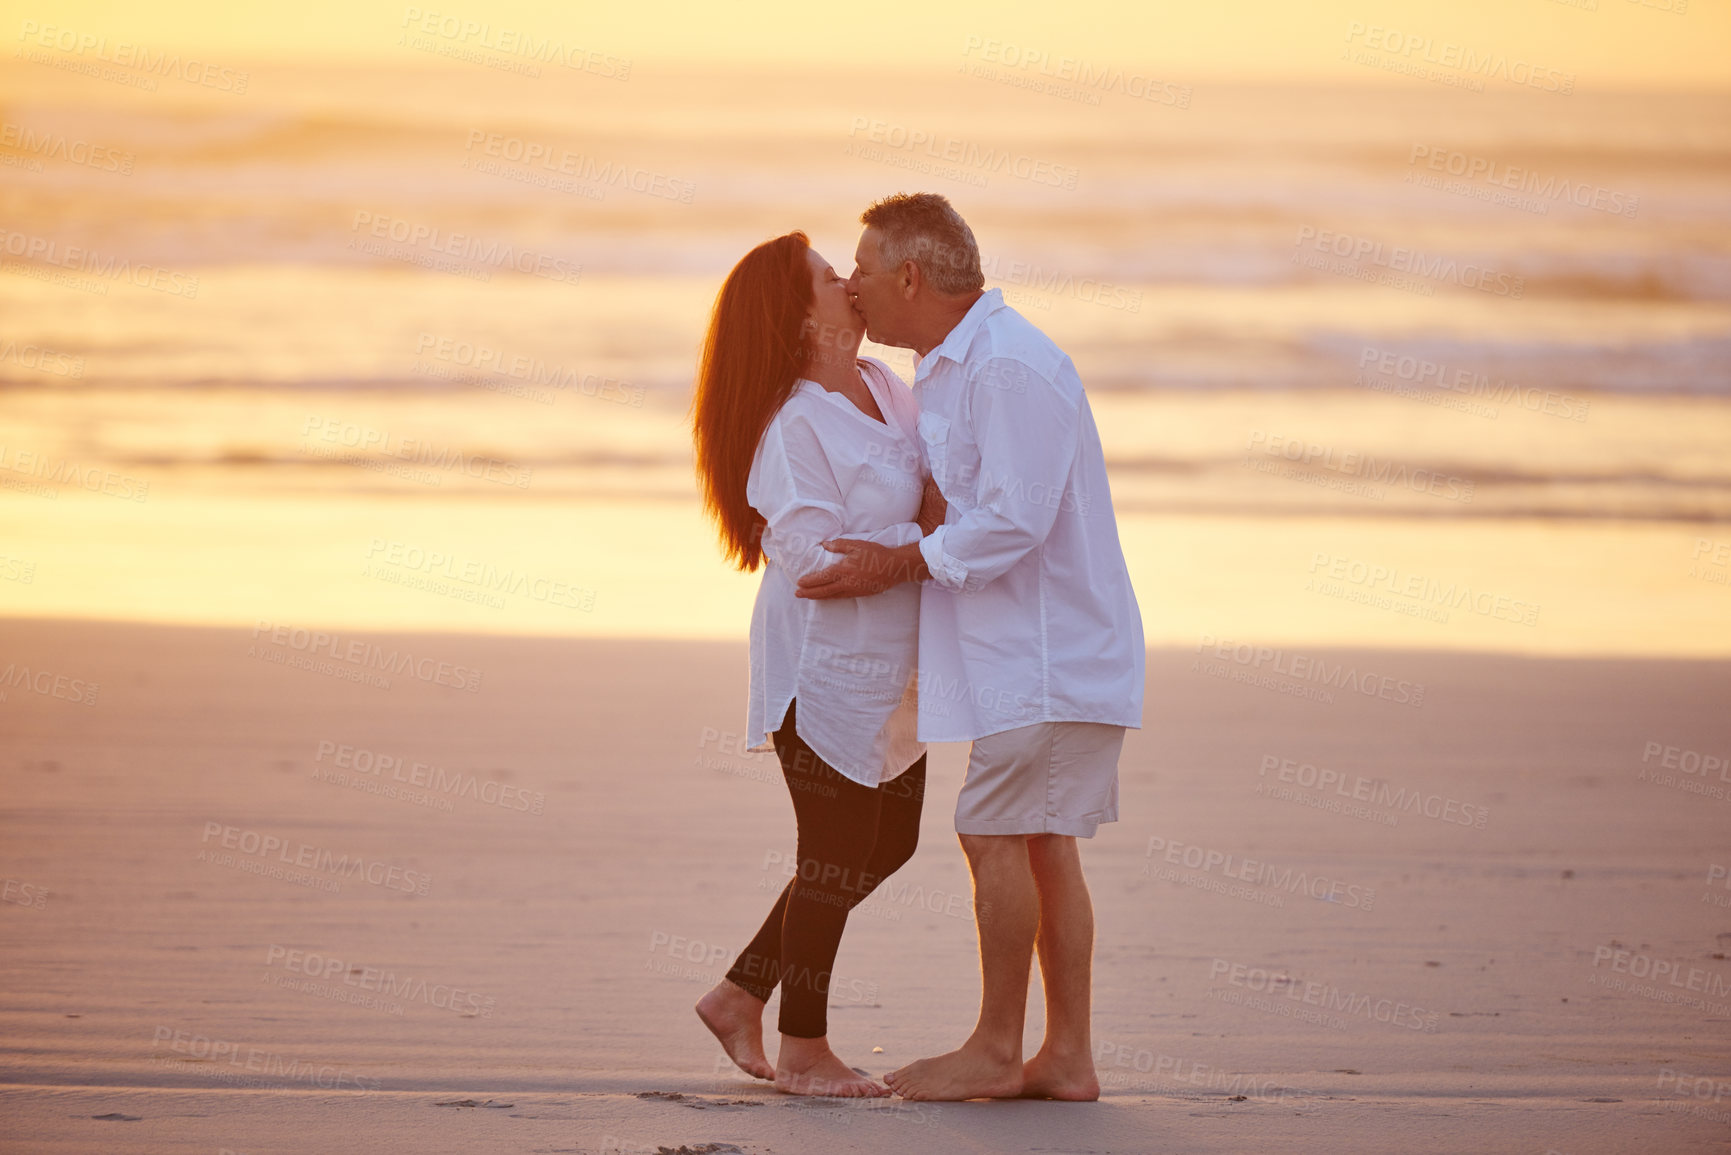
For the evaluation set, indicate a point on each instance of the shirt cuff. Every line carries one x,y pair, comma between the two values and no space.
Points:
946,570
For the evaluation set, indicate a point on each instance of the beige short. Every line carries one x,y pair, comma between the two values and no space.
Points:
1048,778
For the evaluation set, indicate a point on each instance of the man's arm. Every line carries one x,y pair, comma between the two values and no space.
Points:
1027,438
868,567
793,488
1027,433
933,508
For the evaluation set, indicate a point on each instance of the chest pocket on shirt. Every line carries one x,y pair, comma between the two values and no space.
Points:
935,440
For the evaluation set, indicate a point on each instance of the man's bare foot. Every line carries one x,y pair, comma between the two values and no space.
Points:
735,1017
1049,1076
973,1072
809,1067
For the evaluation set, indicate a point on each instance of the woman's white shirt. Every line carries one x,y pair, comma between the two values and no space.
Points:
823,469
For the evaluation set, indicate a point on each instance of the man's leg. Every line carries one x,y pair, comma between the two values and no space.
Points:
1007,912
1064,1066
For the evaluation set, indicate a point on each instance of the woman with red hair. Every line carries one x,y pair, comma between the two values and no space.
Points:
800,441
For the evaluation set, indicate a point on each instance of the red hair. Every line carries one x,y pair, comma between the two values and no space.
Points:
752,357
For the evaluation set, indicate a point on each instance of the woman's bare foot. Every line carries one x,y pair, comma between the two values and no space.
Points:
975,1071
735,1017
809,1067
1048,1076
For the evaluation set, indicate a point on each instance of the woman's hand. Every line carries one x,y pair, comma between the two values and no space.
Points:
933,508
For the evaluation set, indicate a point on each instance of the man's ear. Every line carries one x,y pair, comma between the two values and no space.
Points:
910,280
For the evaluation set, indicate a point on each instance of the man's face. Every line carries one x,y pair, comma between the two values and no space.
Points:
880,294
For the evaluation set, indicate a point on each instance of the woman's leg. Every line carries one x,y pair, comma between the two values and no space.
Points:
844,853
837,828
757,970
838,822
733,1008
902,799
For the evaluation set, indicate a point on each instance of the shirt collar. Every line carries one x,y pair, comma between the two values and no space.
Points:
955,344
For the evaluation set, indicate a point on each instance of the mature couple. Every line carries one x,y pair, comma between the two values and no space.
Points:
962,529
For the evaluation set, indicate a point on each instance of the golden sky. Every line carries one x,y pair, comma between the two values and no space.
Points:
1606,44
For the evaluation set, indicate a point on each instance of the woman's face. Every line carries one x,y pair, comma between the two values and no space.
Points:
834,328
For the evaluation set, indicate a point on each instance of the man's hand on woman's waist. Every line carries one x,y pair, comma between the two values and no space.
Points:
865,568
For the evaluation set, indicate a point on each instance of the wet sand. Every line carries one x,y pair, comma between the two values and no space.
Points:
257,901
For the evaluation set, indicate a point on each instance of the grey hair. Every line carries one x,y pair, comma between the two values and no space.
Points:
926,229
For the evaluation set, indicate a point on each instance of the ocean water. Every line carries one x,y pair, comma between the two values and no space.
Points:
254,345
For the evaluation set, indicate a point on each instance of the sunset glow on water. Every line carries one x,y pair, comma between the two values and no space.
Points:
407,307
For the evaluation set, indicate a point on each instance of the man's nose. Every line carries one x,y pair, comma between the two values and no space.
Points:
853,284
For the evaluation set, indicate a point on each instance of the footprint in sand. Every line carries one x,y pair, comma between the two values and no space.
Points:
697,1103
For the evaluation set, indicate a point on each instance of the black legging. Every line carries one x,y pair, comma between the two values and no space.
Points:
851,838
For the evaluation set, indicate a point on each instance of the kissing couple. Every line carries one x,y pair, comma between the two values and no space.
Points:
940,564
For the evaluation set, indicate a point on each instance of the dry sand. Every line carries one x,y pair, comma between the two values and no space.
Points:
153,962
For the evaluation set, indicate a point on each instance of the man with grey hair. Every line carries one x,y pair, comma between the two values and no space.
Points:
926,229
1030,637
